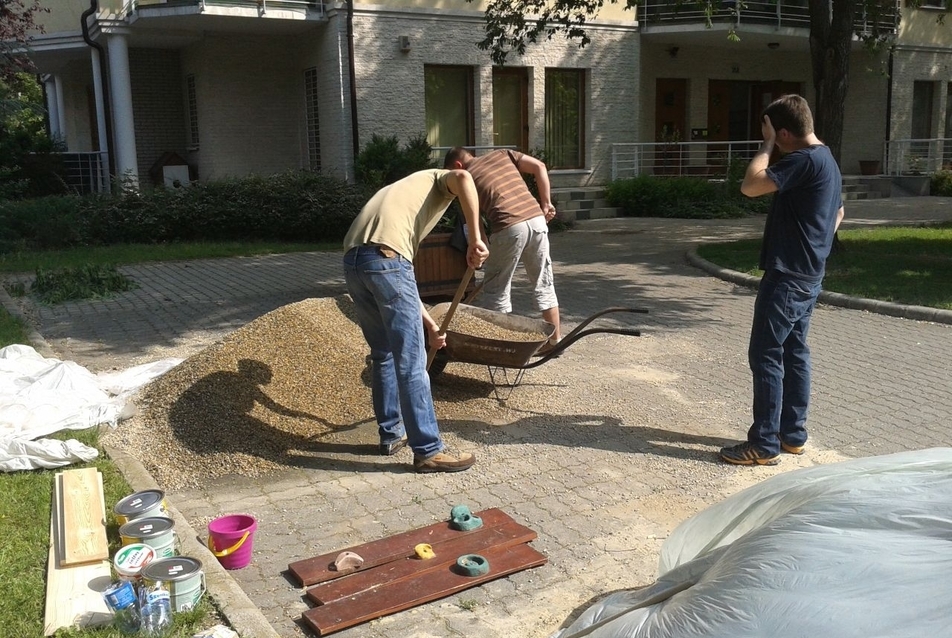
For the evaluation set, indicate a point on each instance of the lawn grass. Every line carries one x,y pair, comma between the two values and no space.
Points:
897,264
119,254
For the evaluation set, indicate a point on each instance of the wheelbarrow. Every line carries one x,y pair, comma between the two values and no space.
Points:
506,354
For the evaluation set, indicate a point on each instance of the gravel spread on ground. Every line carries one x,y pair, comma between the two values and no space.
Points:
285,384
468,324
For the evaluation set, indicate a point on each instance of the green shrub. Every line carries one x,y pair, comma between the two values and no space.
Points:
941,183
383,161
291,206
684,197
84,282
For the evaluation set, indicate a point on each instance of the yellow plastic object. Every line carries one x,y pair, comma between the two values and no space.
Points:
424,551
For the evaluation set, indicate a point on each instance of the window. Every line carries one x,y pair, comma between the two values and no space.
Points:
449,105
511,107
191,96
564,118
311,121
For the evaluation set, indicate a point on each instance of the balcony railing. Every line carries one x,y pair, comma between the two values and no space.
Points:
779,13
918,157
261,6
85,172
680,159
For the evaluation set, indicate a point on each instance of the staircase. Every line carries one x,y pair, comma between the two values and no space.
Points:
582,203
857,187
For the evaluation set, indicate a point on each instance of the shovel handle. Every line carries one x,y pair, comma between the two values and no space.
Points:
452,310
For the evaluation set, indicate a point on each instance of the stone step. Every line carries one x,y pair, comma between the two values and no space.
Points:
595,213
582,204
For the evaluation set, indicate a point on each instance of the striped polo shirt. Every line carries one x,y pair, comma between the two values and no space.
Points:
504,197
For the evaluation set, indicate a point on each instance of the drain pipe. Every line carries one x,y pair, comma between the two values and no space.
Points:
355,138
103,85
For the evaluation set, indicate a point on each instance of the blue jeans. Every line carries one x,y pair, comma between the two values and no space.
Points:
388,310
780,360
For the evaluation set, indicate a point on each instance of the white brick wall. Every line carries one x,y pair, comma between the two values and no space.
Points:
391,83
911,64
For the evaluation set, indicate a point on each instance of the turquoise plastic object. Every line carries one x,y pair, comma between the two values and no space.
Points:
462,519
472,565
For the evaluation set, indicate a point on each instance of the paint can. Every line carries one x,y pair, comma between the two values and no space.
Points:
155,531
130,559
181,575
140,505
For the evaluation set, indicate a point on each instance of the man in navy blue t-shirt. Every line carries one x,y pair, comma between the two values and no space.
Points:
807,209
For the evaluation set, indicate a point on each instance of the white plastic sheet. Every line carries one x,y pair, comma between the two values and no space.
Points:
39,396
853,549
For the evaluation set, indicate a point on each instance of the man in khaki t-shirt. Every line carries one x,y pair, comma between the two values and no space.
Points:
378,268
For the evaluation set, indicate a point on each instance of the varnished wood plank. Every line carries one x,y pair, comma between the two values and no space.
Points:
84,525
447,552
311,571
384,600
73,594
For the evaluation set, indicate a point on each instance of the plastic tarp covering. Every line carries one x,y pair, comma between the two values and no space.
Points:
853,549
40,396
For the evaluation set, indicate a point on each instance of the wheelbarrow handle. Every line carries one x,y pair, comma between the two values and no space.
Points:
574,336
452,310
602,313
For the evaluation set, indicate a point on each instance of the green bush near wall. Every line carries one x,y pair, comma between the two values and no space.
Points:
291,206
941,184
684,197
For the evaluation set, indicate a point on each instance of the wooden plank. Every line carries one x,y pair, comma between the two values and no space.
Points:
73,594
311,571
389,599
446,552
84,524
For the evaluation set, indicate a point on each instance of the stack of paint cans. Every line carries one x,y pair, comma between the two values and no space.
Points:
149,559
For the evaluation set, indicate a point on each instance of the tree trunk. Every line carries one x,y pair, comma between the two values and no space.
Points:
830,38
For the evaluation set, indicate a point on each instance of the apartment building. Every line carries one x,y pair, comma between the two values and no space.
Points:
219,88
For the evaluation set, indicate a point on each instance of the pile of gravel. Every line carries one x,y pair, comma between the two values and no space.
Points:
291,383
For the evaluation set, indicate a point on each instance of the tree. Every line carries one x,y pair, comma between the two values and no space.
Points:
832,26
17,22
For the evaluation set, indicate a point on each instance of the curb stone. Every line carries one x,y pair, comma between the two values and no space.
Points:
917,313
241,614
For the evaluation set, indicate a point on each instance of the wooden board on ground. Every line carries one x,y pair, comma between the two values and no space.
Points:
417,590
446,553
73,593
84,525
315,570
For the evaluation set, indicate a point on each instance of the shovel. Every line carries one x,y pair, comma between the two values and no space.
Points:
452,310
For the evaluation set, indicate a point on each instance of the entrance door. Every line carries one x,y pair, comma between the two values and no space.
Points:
511,107
671,109
761,95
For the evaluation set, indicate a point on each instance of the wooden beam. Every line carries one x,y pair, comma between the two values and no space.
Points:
84,525
423,588
446,552
315,570
73,594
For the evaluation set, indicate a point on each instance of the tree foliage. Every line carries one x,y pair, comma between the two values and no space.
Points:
17,22
512,25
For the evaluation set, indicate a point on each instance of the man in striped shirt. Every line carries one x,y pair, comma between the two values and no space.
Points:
518,228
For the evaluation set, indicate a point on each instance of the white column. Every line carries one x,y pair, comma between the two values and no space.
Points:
60,107
100,119
51,106
123,124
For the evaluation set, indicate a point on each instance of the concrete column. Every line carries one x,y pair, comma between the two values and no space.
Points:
60,108
52,109
100,119
123,124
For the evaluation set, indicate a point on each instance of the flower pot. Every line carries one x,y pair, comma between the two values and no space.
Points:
869,167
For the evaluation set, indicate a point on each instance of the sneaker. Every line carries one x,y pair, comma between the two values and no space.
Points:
791,449
389,449
443,462
746,454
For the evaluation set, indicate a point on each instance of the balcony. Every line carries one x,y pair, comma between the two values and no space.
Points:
779,14
291,9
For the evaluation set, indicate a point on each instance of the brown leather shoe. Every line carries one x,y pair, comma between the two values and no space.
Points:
443,462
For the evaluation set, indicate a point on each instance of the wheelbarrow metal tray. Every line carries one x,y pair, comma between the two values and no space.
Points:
493,352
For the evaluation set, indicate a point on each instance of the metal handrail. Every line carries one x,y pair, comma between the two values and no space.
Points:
917,156
710,159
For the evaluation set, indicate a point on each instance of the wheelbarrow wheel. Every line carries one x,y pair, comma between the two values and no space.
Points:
439,363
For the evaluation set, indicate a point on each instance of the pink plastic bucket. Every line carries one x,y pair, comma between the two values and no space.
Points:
230,539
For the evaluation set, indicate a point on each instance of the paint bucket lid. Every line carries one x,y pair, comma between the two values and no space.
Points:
148,527
172,569
135,504
130,560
